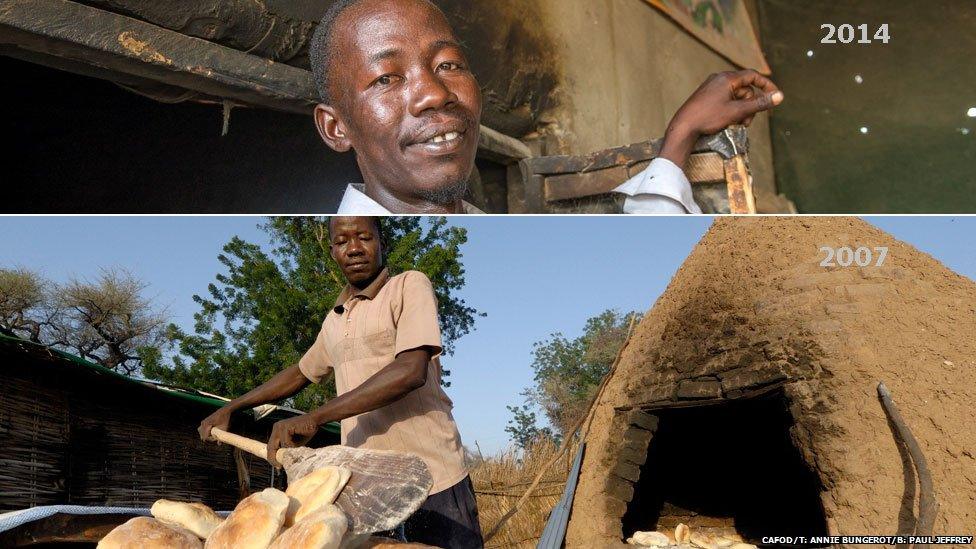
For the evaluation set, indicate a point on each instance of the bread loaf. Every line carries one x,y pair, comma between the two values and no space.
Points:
649,539
316,489
682,534
149,533
254,524
705,541
195,517
320,529
377,542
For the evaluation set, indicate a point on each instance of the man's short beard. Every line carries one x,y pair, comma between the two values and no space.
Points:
445,194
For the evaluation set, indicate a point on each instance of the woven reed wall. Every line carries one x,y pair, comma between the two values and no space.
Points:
71,435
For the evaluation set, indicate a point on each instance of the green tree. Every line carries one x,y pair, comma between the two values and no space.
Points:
25,304
568,373
267,307
106,320
524,428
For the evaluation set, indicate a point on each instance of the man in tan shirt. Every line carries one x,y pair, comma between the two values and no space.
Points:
382,343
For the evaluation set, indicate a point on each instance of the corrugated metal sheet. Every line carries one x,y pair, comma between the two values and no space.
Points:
180,392
555,533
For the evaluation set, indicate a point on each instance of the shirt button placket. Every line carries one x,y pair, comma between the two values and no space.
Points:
348,319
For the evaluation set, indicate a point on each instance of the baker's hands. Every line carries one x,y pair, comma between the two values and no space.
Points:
290,433
219,419
724,99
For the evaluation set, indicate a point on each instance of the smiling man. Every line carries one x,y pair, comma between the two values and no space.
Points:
396,89
381,341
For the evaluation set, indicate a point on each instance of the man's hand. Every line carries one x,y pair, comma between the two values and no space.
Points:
724,99
219,419
290,433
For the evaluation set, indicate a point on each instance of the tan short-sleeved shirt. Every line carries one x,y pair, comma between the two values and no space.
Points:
360,337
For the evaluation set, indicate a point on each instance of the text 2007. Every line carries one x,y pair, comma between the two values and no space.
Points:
847,257
847,34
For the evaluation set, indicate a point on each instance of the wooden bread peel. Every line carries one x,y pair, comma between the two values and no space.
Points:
385,487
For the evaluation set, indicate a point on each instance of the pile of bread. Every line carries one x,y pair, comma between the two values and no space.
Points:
303,517
684,537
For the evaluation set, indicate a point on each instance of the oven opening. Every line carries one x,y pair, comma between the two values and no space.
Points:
727,470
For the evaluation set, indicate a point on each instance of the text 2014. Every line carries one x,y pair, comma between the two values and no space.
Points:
847,34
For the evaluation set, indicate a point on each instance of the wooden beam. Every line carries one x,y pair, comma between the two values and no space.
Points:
728,143
498,147
569,186
702,168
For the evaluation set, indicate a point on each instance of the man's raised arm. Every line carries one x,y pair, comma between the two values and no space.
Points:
723,100
283,385
407,373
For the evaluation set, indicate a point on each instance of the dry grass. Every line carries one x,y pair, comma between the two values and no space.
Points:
500,480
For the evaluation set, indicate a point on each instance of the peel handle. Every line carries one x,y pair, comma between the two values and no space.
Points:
250,446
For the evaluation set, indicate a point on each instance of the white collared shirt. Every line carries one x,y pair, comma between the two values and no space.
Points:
662,188
355,202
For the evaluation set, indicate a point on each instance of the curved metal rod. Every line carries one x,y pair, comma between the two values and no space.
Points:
928,507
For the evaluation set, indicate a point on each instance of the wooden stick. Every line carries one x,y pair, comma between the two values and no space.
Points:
250,446
741,198
243,476
928,507
587,419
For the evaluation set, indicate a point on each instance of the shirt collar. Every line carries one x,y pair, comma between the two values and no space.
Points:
369,292
356,202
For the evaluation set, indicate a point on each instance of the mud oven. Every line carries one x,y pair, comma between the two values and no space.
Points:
746,401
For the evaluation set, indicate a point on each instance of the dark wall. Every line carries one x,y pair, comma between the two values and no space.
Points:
920,147
81,145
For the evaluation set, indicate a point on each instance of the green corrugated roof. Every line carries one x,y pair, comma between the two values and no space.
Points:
180,392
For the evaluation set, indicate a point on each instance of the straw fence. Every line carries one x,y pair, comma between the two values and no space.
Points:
500,480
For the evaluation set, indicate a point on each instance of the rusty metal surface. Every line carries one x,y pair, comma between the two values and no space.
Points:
89,36
245,25
733,141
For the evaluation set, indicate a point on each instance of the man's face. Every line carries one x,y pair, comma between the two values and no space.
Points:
355,246
406,101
